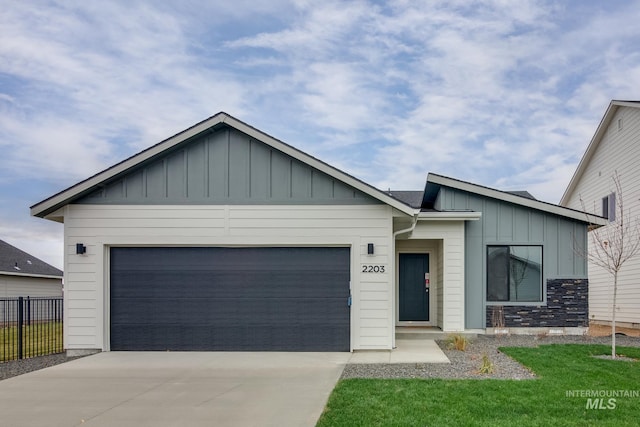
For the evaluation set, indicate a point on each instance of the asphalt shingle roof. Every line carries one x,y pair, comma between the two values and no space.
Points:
522,194
14,260
411,198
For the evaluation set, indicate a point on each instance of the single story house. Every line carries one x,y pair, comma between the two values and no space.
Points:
23,275
225,238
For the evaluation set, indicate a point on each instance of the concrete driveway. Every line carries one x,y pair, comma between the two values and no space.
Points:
174,389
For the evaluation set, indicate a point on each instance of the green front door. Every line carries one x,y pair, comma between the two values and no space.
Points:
414,287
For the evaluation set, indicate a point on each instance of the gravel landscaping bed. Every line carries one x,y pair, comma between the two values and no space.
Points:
465,364
18,367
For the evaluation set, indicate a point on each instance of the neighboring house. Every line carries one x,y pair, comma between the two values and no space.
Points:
23,275
614,147
224,238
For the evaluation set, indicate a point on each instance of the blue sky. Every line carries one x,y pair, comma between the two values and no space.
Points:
500,93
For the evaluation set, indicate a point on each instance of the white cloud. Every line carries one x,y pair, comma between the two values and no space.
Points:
100,85
52,147
491,80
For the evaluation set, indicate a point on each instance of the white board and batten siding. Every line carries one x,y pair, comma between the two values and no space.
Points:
618,150
98,227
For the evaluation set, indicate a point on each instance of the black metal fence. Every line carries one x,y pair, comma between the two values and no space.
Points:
30,327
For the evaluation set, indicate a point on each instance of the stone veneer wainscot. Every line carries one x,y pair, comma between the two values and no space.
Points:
567,306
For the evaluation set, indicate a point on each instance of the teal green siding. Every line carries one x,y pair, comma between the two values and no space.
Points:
507,223
226,167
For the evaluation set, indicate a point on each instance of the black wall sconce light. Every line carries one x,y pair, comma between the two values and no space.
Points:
370,248
80,249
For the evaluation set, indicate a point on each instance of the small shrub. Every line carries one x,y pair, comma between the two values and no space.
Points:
457,342
497,317
487,366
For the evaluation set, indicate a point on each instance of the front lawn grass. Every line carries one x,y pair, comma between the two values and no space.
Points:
561,368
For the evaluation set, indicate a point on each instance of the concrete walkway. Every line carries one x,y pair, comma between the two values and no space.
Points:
174,389
406,351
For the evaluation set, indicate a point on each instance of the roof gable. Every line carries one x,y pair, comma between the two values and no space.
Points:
151,174
593,145
434,182
225,166
17,262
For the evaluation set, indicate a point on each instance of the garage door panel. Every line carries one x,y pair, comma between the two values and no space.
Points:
207,338
286,299
257,338
281,284
234,259
226,311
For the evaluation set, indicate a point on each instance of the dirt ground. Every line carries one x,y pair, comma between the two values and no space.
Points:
603,330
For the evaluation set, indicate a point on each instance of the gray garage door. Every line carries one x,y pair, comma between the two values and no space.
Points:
234,299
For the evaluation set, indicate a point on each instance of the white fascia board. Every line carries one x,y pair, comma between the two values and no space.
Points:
219,118
450,216
593,145
39,276
518,200
633,104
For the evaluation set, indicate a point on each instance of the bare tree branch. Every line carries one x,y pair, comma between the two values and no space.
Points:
611,246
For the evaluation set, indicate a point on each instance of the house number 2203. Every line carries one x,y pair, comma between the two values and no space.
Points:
372,268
